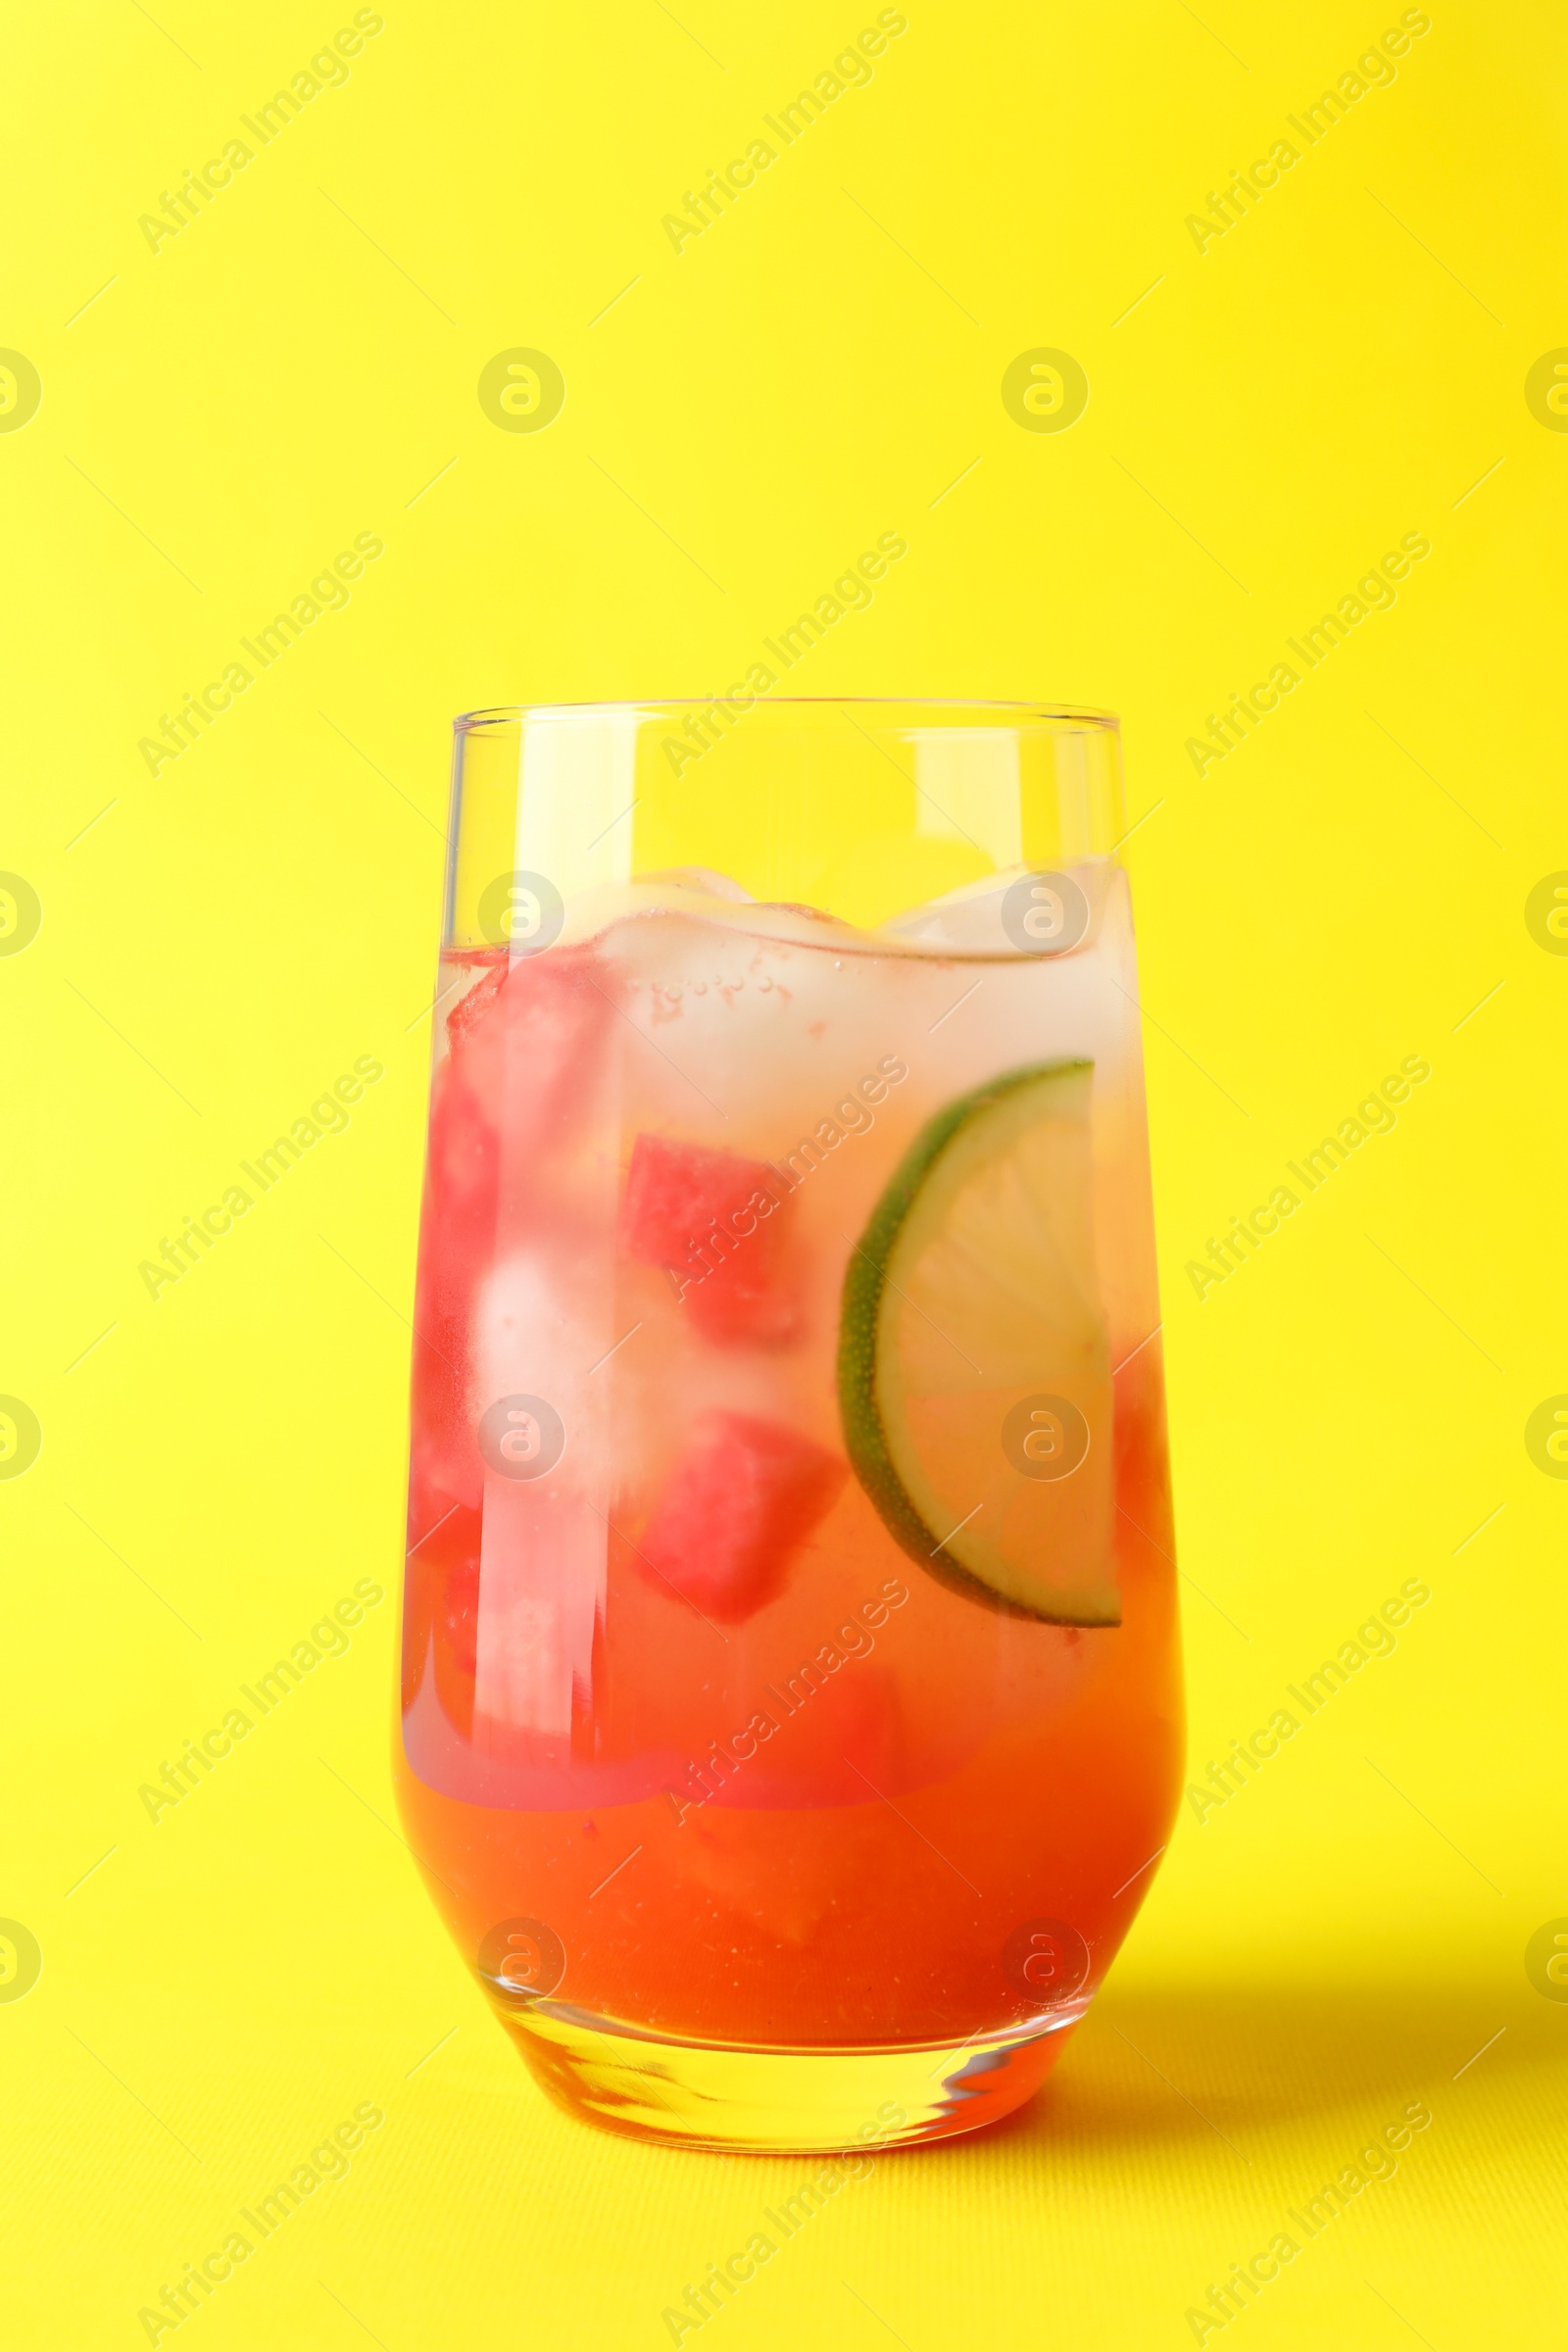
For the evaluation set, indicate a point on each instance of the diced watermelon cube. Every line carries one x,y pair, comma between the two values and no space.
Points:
742,1301
475,1002
464,1156
507,1108
521,1034
738,1505
718,1219
674,1191
441,1601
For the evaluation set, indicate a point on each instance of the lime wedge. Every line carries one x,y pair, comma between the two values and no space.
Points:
974,1381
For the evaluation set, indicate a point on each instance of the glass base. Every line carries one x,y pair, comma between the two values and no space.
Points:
693,2094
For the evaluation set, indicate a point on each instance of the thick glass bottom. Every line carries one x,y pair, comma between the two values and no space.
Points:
693,2094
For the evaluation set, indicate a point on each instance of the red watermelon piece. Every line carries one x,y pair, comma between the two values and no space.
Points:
738,1505
471,1008
519,1037
441,1601
509,1096
697,1211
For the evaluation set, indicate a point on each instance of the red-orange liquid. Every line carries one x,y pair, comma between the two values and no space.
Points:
936,1774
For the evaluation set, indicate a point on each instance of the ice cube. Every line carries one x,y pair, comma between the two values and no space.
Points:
701,878
1025,911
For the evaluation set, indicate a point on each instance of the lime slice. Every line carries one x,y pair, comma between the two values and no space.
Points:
975,1382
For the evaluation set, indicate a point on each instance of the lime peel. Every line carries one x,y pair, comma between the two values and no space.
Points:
970,1313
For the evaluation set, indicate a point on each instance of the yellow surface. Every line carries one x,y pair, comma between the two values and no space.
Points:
220,939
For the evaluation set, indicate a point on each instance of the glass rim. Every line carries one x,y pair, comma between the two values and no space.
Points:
501,714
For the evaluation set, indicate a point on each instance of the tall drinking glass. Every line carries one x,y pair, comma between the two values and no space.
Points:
791,1705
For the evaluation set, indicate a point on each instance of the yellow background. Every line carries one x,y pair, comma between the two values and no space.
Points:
295,367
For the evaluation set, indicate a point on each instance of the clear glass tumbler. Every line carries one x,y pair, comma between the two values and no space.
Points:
791,1701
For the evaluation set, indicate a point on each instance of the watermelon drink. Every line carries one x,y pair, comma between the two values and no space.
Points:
789,1707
